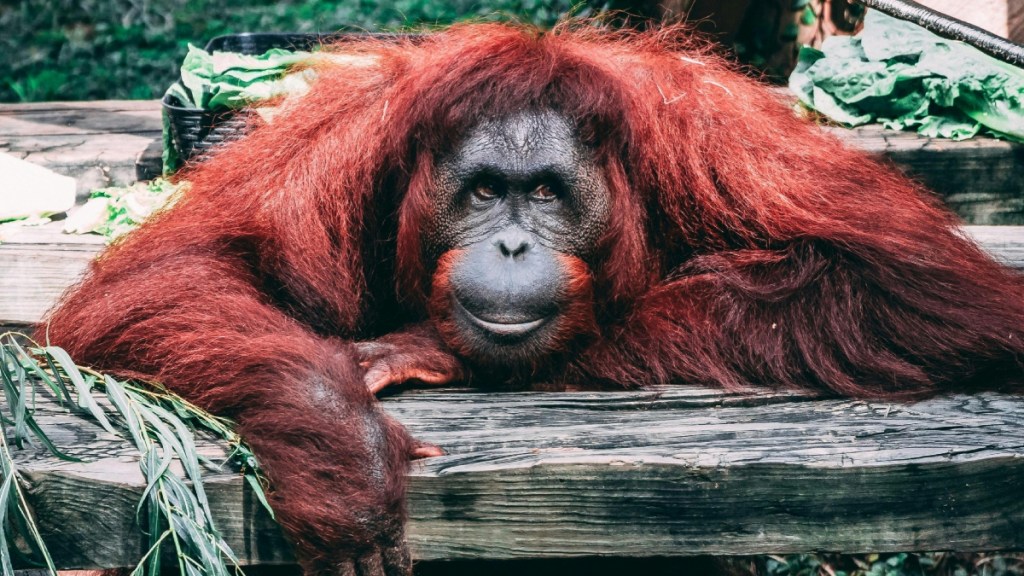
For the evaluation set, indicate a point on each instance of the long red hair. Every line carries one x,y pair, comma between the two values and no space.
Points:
711,175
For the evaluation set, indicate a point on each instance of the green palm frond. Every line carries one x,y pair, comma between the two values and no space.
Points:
174,510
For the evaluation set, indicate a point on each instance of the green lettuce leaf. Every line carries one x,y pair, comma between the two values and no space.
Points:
903,76
225,79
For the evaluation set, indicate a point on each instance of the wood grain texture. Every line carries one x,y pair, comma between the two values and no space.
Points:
97,143
38,263
981,179
102,105
1004,243
675,471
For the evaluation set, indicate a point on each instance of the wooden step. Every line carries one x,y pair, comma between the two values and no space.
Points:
674,471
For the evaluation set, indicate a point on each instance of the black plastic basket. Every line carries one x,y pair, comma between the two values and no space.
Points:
256,43
195,133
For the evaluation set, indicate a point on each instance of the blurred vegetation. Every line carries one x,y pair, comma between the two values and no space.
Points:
902,564
131,49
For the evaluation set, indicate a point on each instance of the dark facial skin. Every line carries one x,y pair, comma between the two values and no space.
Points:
520,199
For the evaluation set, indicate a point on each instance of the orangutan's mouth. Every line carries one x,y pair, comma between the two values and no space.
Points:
504,326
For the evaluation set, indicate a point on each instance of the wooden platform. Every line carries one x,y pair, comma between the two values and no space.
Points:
677,471
37,263
97,143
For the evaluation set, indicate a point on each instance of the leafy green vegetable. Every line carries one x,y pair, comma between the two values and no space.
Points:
223,79
116,210
903,76
228,81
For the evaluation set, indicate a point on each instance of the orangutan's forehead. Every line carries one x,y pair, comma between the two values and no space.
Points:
525,141
524,131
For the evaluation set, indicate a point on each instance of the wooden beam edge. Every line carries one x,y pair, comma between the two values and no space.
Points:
616,508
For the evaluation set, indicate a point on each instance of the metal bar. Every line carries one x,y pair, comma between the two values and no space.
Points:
949,27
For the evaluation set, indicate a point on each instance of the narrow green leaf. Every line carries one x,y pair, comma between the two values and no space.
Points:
152,474
5,554
85,399
257,489
192,570
154,529
154,546
117,397
46,441
14,392
188,457
30,362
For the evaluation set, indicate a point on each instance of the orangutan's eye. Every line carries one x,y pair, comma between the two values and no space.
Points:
485,192
543,193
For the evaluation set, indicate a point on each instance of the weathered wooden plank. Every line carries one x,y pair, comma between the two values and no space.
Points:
38,263
102,105
93,160
675,471
97,143
1004,243
80,121
981,179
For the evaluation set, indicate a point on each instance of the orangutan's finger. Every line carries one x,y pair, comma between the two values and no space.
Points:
425,450
382,376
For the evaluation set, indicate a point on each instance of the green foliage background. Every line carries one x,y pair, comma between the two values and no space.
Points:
131,49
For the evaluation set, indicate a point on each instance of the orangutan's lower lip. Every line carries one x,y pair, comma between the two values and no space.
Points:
504,329
519,329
